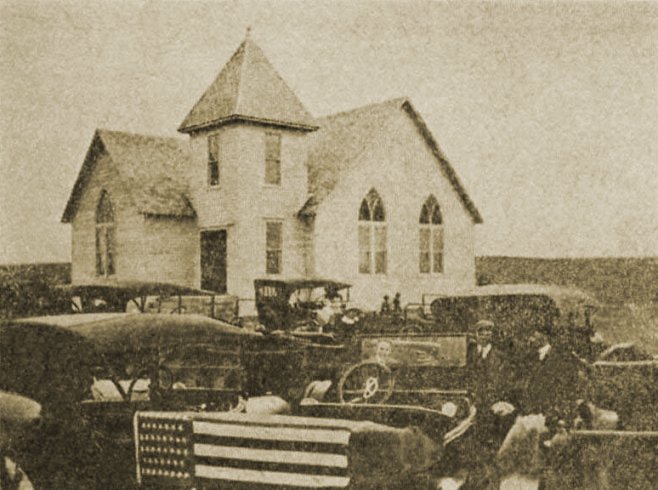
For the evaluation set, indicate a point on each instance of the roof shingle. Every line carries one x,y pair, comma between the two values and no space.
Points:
151,170
344,136
248,88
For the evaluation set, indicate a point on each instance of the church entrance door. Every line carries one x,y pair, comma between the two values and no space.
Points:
213,260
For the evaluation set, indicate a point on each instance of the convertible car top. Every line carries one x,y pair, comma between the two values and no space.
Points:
133,289
127,331
563,296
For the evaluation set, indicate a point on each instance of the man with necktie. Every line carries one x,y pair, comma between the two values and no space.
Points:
495,396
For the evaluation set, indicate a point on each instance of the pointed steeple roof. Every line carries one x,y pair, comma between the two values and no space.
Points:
248,89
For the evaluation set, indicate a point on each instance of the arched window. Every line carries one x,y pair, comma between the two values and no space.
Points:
372,235
104,236
431,237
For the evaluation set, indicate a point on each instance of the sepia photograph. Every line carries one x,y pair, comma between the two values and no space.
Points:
383,244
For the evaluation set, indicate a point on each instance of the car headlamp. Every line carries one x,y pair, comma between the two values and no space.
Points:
449,409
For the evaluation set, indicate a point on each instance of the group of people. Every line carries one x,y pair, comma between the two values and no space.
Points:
529,380
387,308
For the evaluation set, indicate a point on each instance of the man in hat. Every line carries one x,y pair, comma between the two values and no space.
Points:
495,396
385,308
492,389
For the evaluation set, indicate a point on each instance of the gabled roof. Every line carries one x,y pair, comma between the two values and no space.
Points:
344,136
151,170
248,89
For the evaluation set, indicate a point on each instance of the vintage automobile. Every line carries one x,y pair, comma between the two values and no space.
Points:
519,309
388,417
294,304
394,413
319,309
119,296
411,394
91,372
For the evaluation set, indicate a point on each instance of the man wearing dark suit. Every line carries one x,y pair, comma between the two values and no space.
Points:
495,396
494,388
555,378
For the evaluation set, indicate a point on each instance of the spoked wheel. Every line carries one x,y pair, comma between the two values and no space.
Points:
366,382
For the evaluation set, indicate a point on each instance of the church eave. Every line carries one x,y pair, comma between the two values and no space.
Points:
236,118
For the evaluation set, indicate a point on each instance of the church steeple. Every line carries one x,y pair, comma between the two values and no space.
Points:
248,88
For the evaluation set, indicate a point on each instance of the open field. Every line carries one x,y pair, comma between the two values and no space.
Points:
610,280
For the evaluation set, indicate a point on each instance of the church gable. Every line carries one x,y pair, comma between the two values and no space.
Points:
344,140
393,221
150,171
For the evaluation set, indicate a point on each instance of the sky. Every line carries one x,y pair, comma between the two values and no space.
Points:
548,111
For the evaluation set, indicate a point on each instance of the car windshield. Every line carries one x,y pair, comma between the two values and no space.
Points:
183,367
308,295
416,350
204,366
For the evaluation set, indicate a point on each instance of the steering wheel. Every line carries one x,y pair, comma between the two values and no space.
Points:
366,382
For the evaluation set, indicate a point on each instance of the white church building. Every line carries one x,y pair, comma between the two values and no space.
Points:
259,188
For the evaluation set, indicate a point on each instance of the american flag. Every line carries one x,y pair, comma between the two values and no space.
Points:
228,450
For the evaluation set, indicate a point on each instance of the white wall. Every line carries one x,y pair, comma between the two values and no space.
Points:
242,203
398,164
401,167
146,249
83,225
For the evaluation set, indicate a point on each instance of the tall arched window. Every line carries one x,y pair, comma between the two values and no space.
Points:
431,237
372,235
104,236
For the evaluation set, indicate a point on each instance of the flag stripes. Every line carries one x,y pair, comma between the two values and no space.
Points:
225,451
271,456
271,477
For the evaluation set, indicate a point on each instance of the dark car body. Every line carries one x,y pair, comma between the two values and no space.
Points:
398,441
20,416
287,304
517,310
91,372
118,296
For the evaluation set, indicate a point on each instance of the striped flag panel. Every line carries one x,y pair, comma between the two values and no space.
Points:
240,452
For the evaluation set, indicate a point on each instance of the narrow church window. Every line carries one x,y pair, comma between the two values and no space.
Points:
273,247
372,235
213,160
273,158
431,237
104,236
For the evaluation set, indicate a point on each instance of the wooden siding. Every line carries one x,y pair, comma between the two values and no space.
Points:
145,248
242,203
83,239
400,166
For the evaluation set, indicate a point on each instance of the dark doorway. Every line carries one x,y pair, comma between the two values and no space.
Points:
213,260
